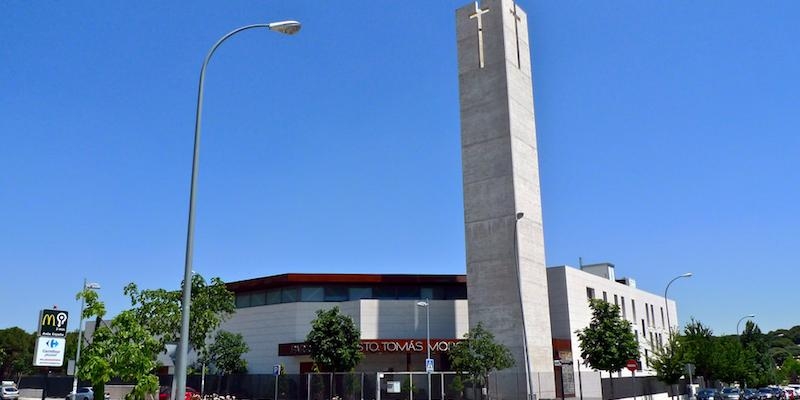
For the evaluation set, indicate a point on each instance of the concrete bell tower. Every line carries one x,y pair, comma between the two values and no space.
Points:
506,277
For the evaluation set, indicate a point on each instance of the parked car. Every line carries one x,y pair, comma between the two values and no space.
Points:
85,393
765,393
750,394
165,392
9,392
709,394
731,393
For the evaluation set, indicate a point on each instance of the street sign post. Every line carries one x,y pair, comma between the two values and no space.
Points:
276,370
53,323
429,365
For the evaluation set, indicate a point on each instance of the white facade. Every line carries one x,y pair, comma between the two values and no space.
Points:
570,289
265,327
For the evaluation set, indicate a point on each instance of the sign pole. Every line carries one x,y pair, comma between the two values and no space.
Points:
276,370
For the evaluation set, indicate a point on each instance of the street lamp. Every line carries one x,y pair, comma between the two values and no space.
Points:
427,305
86,285
528,389
742,319
666,303
286,27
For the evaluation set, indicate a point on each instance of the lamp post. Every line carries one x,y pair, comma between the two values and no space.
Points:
286,27
666,303
427,305
742,319
86,285
528,389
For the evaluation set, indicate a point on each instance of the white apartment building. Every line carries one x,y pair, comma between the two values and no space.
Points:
571,288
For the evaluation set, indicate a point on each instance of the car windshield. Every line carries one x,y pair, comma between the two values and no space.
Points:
730,390
764,390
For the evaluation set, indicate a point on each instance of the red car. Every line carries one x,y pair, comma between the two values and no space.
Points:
165,392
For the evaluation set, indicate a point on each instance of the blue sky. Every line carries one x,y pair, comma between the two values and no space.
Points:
667,136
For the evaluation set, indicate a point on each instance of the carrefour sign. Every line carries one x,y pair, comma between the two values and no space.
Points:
49,352
53,323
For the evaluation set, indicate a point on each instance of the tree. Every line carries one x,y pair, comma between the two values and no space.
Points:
226,353
698,345
479,355
335,341
668,361
159,310
124,348
608,342
16,347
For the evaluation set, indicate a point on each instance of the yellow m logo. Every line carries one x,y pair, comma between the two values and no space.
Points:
49,319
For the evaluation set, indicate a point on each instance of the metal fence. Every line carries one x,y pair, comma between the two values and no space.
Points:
575,385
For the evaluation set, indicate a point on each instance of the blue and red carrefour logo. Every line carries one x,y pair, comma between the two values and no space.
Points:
52,343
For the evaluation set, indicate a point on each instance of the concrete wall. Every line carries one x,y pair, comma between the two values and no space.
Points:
501,178
264,327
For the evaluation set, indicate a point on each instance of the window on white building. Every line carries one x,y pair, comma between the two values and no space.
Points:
589,293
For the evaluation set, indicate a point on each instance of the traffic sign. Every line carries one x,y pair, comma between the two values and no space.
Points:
49,352
632,365
428,365
276,369
557,363
53,323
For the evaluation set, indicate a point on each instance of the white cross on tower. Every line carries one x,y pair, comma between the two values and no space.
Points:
477,15
516,31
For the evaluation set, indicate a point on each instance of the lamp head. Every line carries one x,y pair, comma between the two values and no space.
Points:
93,285
287,27
520,215
687,275
422,304
750,316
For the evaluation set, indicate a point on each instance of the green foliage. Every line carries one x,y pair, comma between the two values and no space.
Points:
668,361
16,352
124,348
608,342
479,355
334,340
159,310
698,344
226,353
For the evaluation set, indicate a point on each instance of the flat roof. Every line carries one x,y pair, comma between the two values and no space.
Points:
292,279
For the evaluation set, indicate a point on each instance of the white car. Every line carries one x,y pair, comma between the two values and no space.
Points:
9,393
83,393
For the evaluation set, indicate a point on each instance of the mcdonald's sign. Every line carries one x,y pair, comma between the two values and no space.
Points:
53,323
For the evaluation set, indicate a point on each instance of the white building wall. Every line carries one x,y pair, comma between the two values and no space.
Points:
264,327
568,297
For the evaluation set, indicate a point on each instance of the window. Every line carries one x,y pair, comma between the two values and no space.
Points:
357,293
314,293
605,296
636,335
653,314
288,295
274,296
258,299
408,293
455,293
616,300
242,300
589,293
647,313
336,293
624,311
633,308
662,318
644,331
